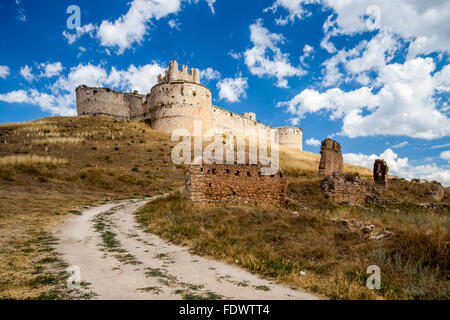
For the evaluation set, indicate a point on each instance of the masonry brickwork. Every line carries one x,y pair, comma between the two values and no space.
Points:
178,101
344,188
234,182
331,159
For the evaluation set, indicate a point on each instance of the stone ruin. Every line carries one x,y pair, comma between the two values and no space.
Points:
241,183
436,191
380,173
330,158
344,188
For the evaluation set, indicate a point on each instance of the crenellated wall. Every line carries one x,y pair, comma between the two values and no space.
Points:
176,102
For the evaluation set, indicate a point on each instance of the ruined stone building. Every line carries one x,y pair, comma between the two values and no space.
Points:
331,159
178,101
234,182
380,173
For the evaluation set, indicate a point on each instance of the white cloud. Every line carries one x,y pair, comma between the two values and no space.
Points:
295,8
132,27
445,155
401,166
61,100
235,55
48,103
51,69
79,32
400,145
307,52
211,5
260,63
26,72
174,24
420,22
403,106
141,78
4,72
210,74
364,57
312,142
232,89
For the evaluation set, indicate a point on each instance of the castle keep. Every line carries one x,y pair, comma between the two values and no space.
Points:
177,102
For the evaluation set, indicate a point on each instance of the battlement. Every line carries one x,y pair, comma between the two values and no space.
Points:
179,101
174,74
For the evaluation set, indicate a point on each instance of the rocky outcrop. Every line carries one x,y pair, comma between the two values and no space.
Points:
365,229
436,191
330,158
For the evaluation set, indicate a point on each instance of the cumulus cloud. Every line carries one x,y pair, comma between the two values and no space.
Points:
27,73
55,105
260,62
307,52
312,142
404,105
51,69
4,72
79,32
232,89
417,21
210,74
445,155
401,166
61,99
132,27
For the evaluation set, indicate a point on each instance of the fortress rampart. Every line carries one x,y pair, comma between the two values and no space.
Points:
177,102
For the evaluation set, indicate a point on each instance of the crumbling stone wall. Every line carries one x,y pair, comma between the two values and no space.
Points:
234,182
380,173
344,188
330,158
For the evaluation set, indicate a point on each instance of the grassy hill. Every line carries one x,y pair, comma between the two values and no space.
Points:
55,167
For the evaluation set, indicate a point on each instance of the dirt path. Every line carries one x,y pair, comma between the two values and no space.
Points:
120,261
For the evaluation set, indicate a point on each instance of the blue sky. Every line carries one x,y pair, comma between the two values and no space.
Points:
373,75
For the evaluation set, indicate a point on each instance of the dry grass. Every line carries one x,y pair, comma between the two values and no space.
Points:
43,183
62,140
278,244
30,160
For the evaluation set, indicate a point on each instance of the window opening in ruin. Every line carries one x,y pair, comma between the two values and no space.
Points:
214,171
209,184
201,169
228,171
237,173
249,174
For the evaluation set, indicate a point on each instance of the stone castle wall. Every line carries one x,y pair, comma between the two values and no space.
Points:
234,182
104,101
176,102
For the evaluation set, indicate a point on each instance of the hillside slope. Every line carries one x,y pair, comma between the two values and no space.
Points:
54,167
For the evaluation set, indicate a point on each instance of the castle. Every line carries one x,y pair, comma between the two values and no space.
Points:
179,101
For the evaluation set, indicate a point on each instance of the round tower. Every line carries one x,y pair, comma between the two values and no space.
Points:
178,100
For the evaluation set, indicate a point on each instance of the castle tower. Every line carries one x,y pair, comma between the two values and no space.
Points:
179,100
